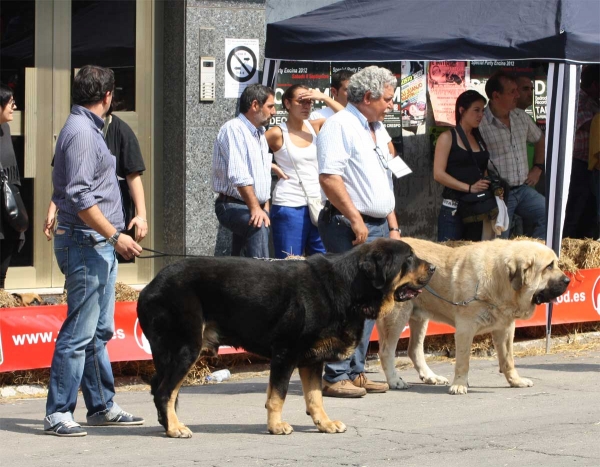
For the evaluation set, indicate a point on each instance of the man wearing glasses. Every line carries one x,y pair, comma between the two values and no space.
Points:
353,150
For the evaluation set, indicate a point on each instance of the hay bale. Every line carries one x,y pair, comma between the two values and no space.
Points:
7,300
124,293
590,254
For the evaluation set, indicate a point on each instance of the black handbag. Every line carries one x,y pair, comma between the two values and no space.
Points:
476,207
13,207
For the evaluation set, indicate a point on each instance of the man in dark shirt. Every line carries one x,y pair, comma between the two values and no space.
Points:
123,144
90,220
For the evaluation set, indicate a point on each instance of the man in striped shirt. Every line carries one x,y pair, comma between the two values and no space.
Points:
242,173
90,219
506,131
353,152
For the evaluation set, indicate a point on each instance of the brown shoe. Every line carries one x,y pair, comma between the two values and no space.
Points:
370,386
344,388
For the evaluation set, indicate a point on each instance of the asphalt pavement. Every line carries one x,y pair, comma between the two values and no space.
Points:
554,423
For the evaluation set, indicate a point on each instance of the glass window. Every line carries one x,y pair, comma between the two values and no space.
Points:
17,47
103,33
25,256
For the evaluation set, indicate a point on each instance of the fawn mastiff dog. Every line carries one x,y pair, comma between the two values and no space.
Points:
491,284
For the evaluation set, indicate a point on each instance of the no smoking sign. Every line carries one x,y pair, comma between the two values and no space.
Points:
241,65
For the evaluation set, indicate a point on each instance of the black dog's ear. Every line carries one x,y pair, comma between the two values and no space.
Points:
374,265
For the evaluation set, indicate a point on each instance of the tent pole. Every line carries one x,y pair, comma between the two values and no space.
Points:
563,84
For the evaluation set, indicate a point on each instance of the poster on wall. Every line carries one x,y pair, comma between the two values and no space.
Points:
540,96
241,66
446,80
413,94
313,75
480,71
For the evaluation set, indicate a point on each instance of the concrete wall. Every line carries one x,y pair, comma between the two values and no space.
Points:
194,28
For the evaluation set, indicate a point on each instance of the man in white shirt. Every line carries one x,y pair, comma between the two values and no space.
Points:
353,156
339,92
242,173
506,131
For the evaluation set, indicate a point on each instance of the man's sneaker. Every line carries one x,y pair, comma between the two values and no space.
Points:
66,428
370,386
122,418
343,388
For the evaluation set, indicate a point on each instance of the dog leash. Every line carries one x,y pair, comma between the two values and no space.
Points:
463,303
161,254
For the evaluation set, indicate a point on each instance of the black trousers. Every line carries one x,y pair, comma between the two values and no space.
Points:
8,246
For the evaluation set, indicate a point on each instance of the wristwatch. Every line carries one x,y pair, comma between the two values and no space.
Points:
113,240
395,229
539,166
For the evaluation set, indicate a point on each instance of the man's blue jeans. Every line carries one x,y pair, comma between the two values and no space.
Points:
529,205
247,240
337,237
80,356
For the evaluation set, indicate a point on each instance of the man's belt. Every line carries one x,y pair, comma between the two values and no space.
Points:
370,219
230,199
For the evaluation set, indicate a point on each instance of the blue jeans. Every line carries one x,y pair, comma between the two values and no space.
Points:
530,206
337,237
247,240
582,192
80,356
293,232
451,227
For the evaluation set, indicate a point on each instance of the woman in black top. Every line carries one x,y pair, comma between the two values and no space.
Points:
460,171
10,240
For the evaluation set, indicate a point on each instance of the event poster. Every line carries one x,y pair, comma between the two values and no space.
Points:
314,75
393,120
540,97
446,80
482,70
413,94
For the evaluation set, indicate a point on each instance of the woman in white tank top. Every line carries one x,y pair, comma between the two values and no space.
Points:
293,231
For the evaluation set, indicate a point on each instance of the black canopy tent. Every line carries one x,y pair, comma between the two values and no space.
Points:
566,33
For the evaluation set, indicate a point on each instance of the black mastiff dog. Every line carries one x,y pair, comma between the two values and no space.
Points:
296,313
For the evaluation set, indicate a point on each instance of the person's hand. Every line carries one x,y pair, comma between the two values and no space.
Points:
127,247
312,94
480,185
361,232
141,226
279,172
533,177
395,235
49,227
258,216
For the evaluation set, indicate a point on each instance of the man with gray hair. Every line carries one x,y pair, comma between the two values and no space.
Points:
354,150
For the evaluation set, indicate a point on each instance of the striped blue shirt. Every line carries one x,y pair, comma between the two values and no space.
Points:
345,148
84,172
241,158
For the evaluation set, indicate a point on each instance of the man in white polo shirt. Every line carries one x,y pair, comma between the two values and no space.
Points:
353,155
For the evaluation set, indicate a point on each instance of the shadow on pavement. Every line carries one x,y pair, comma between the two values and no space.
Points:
234,388
569,367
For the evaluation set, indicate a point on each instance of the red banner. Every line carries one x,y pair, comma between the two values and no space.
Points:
27,334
